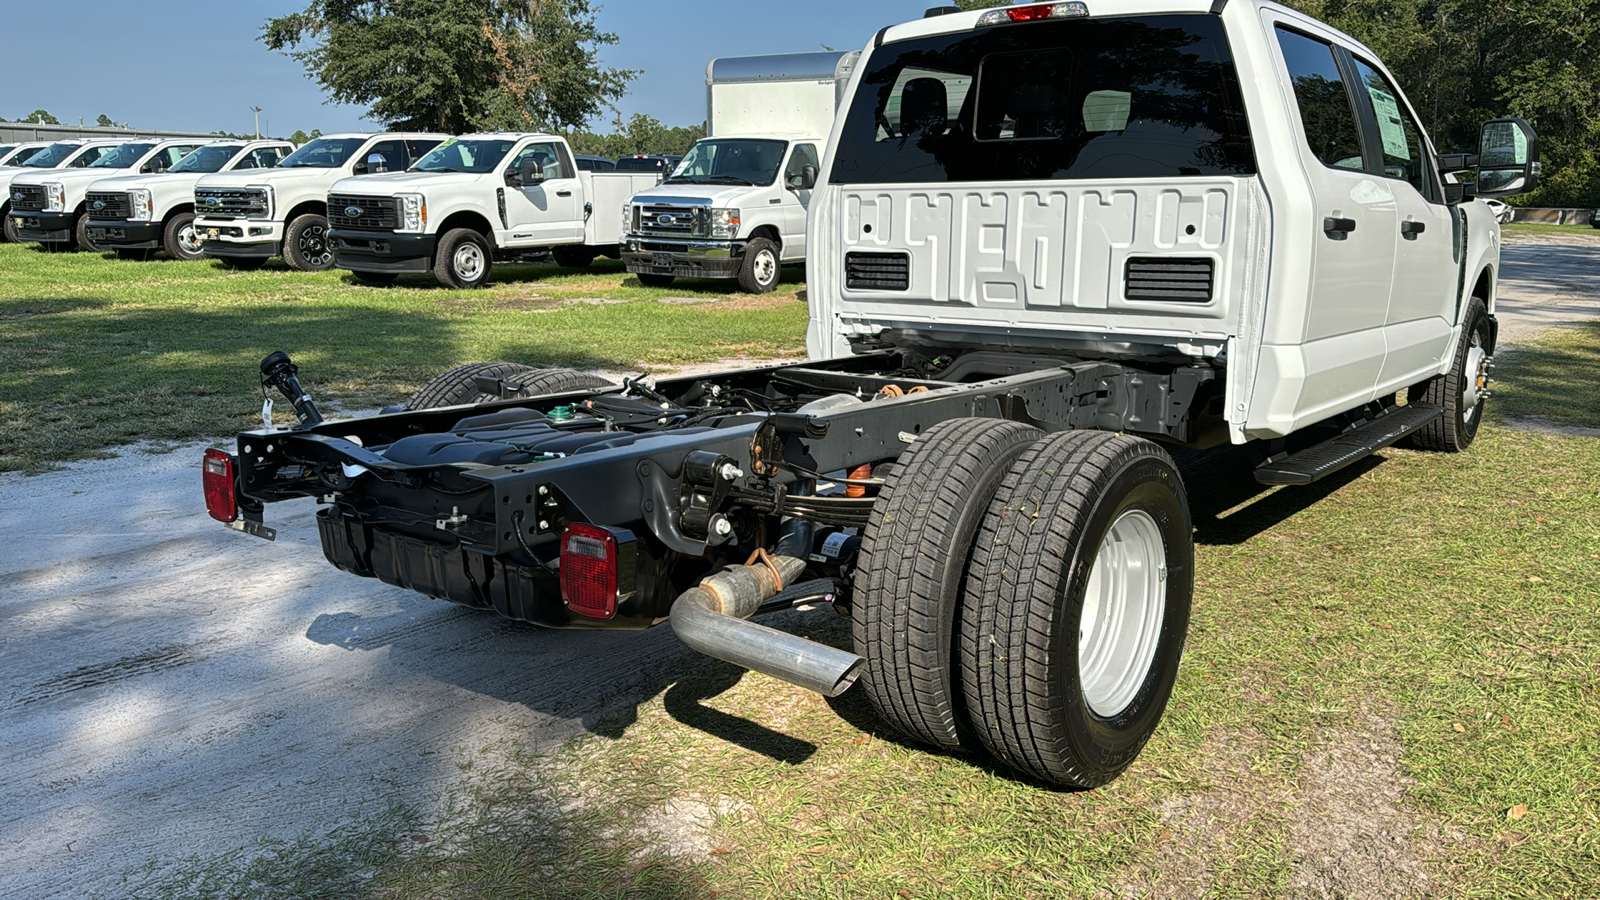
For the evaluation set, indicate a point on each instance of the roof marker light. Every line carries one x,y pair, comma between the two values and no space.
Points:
1072,9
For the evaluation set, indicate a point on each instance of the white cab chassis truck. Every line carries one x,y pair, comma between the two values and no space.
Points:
735,207
46,195
474,199
136,215
1049,242
246,218
54,156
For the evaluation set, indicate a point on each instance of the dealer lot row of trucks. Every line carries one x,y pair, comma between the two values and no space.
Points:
1046,243
382,205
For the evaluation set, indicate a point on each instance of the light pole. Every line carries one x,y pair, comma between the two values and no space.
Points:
257,111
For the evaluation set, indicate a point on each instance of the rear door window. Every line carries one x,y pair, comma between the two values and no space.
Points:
1127,97
1326,112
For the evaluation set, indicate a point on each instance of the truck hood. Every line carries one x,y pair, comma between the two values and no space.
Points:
717,195
390,183
76,178
169,181
269,176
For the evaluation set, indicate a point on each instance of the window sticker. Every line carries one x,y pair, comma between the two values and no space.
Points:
1106,110
1390,128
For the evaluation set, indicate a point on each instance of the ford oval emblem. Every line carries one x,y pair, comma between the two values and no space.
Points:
665,220
99,204
213,201
353,212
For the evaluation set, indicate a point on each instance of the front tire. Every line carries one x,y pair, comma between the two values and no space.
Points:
1462,391
913,563
761,268
80,234
464,259
8,233
179,239
460,385
1077,606
305,244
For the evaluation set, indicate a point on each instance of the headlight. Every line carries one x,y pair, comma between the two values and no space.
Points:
267,196
413,212
55,197
627,217
724,223
139,202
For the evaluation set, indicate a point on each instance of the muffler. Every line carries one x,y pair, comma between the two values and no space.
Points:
712,617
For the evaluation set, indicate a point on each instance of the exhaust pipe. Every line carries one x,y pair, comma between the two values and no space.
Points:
712,617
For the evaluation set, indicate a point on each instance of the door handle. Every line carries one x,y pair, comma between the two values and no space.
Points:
563,193
1333,227
1410,230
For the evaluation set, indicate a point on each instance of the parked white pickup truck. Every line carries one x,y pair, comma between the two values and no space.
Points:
135,215
17,154
52,207
475,198
69,154
246,218
735,207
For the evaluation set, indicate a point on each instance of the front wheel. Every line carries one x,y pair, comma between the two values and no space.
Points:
9,233
305,244
464,259
1461,391
179,238
759,273
1077,606
80,234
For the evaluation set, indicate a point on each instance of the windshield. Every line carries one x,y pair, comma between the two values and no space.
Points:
207,159
122,157
1130,97
323,153
476,157
52,156
731,162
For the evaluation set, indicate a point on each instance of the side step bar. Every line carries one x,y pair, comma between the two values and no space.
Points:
1328,457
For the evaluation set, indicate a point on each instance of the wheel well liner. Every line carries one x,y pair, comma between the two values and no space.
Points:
467,219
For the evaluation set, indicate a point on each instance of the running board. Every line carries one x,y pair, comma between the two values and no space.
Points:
1328,457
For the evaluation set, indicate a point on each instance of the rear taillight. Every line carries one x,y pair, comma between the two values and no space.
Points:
589,570
1034,13
221,501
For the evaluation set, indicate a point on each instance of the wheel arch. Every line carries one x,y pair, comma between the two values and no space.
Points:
176,210
770,232
304,207
470,219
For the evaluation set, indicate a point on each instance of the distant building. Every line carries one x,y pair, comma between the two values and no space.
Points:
17,132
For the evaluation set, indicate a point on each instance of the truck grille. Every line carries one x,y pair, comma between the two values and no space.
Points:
113,207
230,203
1167,279
364,213
27,196
877,271
673,221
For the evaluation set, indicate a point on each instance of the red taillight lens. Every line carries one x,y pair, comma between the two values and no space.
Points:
589,570
1030,13
221,501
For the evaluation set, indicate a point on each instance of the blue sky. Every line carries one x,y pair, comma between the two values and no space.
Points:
183,65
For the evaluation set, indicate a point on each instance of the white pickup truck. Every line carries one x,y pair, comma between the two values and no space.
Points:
135,215
1048,242
735,207
246,218
52,208
473,199
16,154
69,154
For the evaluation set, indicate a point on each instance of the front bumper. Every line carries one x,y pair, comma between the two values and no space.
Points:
382,251
682,258
126,235
42,227
238,237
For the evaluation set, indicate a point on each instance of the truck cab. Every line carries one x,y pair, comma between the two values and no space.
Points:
735,207
52,207
246,218
12,155
138,214
475,199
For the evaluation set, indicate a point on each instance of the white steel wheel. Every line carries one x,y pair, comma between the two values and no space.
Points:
1477,372
766,266
468,262
1123,605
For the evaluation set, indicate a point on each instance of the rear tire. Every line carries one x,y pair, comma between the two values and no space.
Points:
305,244
459,385
914,555
179,239
648,279
1461,391
761,268
1077,606
573,257
464,259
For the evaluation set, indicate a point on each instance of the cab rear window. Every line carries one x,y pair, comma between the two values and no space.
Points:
1126,97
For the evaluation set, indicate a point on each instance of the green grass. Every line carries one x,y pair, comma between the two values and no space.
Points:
96,351
1532,229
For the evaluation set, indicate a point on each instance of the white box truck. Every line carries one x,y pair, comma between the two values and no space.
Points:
736,206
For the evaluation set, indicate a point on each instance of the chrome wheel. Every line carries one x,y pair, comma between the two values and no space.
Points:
1475,384
468,262
1123,607
313,246
766,267
188,241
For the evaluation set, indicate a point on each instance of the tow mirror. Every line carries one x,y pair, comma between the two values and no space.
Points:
1508,158
530,172
376,164
808,174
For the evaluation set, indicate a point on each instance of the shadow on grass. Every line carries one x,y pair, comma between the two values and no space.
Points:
1229,506
1556,378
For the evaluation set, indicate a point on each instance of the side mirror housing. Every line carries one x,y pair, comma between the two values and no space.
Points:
376,164
1508,158
1457,162
530,172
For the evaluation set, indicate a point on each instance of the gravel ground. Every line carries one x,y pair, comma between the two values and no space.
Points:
170,687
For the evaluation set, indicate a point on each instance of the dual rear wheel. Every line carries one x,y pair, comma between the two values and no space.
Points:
1027,595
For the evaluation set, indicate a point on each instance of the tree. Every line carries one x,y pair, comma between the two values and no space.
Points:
456,65
41,117
300,137
104,121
